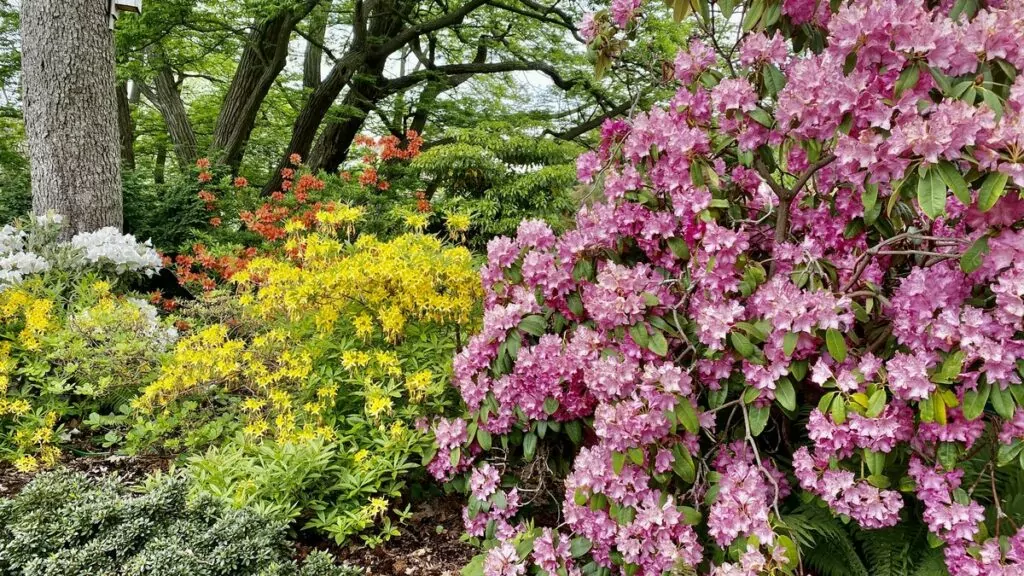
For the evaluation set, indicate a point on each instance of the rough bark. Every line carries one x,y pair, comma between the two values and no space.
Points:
311,68
70,109
125,127
337,136
167,99
160,163
262,60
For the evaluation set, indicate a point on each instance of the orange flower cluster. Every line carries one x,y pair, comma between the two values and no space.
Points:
422,203
384,149
203,268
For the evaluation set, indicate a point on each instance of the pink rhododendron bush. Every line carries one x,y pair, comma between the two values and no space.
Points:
800,298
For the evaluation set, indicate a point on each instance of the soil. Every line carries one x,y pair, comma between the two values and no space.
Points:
428,546
131,469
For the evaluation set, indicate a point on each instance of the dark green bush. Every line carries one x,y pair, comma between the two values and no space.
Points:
67,524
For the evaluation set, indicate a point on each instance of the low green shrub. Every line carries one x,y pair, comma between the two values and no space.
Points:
67,524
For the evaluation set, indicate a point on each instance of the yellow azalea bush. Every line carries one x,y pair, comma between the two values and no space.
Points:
338,357
66,353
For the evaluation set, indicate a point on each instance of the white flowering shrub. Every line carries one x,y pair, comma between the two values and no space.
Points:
108,247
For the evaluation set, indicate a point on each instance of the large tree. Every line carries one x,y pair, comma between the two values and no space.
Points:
70,110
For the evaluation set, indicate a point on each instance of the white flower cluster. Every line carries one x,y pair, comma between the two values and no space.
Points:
163,336
122,251
15,263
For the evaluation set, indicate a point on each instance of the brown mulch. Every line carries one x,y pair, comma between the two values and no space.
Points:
131,469
428,546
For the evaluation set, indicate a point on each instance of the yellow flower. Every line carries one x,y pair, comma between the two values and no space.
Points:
378,403
352,359
293,226
418,384
26,463
416,222
363,325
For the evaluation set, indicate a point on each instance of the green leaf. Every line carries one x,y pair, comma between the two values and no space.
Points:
876,404
975,400
618,461
992,100
636,456
1009,452
680,8
758,419
785,394
742,344
931,194
839,410
679,247
575,431
658,344
550,406
754,13
534,324
1002,401
475,566
973,257
691,516
639,334
687,415
907,80
952,177
836,344
483,437
992,190
529,446
869,196
682,464
579,546
789,342
774,81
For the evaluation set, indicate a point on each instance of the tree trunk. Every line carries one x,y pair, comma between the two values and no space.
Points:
262,60
126,127
70,109
311,71
336,138
168,102
160,165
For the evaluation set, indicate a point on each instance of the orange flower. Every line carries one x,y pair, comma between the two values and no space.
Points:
203,164
241,182
215,222
295,159
287,173
205,177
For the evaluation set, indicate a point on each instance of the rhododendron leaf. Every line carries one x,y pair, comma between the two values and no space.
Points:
636,456
907,80
483,437
1009,452
512,344
761,117
583,270
975,401
575,303
658,344
455,456
618,461
498,500
750,394
798,370
754,12
475,566
876,404
1017,391
879,481
691,515
680,8
973,257
992,190
683,465
534,324
789,342
1002,401
869,197
650,300
931,193
947,454
825,403
575,431
687,415
874,460
741,344
955,181
838,410
785,394
950,370
758,419
580,497
717,397
550,406
679,248
941,80
541,428
939,408
529,445
836,344
772,13
598,502
992,100
774,81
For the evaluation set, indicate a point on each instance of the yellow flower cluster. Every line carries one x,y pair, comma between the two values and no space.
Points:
374,284
19,306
